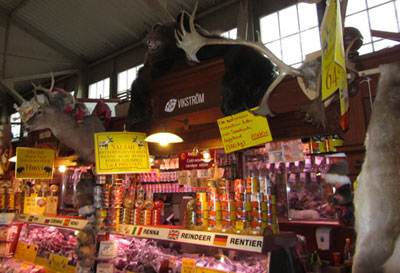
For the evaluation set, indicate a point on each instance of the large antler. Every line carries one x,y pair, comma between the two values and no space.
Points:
191,42
42,88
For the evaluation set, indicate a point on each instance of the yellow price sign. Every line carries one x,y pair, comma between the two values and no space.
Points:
34,163
188,265
121,152
243,130
57,263
208,270
26,252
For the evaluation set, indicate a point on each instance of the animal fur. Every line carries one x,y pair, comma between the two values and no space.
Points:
247,73
377,197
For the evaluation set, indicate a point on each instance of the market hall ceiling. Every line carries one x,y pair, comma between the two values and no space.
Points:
39,36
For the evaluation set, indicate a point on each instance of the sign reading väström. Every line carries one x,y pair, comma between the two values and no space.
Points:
34,163
121,152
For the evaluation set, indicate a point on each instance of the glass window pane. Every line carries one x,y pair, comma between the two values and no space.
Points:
382,44
288,21
360,21
16,130
355,5
122,81
308,16
365,49
275,47
132,74
92,91
99,89
15,117
383,18
233,34
269,28
373,3
106,89
310,41
291,49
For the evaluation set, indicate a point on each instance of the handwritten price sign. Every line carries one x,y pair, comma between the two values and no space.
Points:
243,130
334,76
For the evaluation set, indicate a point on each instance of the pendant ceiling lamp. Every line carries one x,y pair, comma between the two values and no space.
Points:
164,138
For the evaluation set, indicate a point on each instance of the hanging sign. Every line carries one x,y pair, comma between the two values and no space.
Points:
243,130
334,76
196,161
34,163
121,152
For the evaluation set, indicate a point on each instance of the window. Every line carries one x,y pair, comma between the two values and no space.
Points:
100,89
230,34
367,15
16,125
125,79
292,33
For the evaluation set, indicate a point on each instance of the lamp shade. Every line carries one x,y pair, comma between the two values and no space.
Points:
163,138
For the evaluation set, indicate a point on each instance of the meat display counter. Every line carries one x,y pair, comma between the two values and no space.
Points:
45,244
170,249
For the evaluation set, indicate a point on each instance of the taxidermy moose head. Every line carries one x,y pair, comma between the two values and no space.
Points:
193,42
58,112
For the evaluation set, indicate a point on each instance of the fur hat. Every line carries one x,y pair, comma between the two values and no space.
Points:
337,173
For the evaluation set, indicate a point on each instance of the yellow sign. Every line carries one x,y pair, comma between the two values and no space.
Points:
243,130
188,265
26,252
57,263
121,152
208,270
334,76
34,205
34,163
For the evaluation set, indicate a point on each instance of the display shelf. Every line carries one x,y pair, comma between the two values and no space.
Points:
53,221
251,243
6,218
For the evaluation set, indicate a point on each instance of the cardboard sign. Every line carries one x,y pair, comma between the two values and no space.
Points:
108,250
243,130
35,205
51,205
192,161
121,152
334,76
57,263
34,163
26,252
188,265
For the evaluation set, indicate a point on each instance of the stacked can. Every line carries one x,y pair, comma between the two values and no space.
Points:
101,198
228,205
112,219
117,195
214,205
10,199
259,212
272,219
201,209
243,205
2,199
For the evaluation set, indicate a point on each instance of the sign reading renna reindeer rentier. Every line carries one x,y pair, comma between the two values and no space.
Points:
34,163
121,152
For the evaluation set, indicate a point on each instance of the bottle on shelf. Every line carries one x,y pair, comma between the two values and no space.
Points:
347,252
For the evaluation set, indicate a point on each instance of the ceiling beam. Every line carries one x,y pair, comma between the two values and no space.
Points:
6,87
45,39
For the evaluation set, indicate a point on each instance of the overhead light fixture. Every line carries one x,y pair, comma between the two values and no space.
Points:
164,138
62,168
206,156
13,159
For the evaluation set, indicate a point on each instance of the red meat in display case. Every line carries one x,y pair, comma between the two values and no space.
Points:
50,240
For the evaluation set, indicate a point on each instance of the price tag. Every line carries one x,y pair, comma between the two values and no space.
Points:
208,270
26,252
57,263
188,265
243,130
